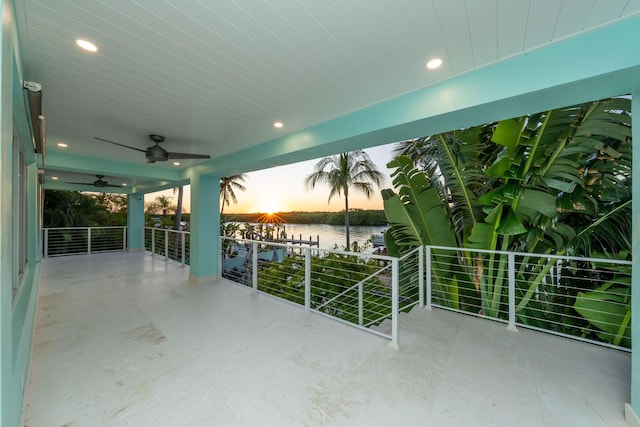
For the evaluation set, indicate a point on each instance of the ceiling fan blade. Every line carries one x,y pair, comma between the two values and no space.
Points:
79,183
121,145
188,156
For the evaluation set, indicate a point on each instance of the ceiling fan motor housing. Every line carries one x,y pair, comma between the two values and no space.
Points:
157,153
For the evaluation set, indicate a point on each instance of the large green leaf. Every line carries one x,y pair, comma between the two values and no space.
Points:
608,308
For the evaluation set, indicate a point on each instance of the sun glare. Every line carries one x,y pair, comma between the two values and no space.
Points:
269,209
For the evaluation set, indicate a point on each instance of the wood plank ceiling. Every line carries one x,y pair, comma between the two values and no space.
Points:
213,76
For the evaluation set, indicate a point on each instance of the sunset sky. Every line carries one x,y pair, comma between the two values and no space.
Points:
282,189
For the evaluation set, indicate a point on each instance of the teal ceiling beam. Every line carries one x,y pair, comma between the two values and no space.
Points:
92,165
79,187
598,64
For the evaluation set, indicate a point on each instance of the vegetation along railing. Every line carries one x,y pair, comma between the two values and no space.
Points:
584,298
171,244
83,240
361,289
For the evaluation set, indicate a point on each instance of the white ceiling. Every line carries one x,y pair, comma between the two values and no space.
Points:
213,76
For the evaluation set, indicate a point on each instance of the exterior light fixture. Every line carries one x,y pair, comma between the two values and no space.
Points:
434,63
87,45
176,163
54,178
278,125
62,145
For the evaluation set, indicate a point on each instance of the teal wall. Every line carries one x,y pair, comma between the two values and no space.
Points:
16,312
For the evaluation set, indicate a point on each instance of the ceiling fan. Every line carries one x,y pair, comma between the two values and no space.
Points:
100,183
155,153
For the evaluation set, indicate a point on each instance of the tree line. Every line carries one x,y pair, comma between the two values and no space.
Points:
356,217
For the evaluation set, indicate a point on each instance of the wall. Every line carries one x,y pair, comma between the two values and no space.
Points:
17,307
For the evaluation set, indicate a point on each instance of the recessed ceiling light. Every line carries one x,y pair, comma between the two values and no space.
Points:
124,184
278,125
176,163
62,144
86,45
55,178
434,63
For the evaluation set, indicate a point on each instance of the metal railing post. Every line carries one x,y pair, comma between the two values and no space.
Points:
254,263
124,239
182,243
428,272
360,303
166,244
220,244
46,242
89,240
307,278
394,303
421,276
153,241
511,258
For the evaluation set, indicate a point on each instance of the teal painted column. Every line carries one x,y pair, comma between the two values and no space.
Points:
633,410
135,222
205,228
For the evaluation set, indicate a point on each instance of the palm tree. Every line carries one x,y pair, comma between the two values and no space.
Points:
342,171
227,186
164,204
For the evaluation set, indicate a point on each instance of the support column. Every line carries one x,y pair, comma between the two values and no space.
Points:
632,410
205,228
135,222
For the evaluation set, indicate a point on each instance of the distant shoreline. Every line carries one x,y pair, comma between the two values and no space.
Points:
356,217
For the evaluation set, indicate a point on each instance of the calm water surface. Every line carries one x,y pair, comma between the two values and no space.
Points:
331,235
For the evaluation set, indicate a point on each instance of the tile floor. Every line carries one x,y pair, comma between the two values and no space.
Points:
125,340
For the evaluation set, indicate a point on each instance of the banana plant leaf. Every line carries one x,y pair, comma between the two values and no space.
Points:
608,308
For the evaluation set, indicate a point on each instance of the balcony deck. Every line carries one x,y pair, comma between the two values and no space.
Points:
125,340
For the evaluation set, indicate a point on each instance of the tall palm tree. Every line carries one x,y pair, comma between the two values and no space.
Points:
164,204
227,186
342,171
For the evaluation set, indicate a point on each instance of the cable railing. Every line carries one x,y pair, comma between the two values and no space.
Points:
587,299
83,240
170,244
357,288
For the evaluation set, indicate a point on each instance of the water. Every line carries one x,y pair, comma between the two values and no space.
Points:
331,235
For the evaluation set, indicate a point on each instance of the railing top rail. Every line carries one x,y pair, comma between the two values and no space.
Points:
285,245
536,255
83,228
171,230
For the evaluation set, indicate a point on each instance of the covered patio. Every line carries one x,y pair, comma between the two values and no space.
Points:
235,87
141,345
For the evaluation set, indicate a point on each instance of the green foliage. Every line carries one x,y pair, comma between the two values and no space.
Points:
554,182
76,209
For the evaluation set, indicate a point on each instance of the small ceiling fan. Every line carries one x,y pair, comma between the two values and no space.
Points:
155,153
100,183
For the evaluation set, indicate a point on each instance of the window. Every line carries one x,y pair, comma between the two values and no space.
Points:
19,214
